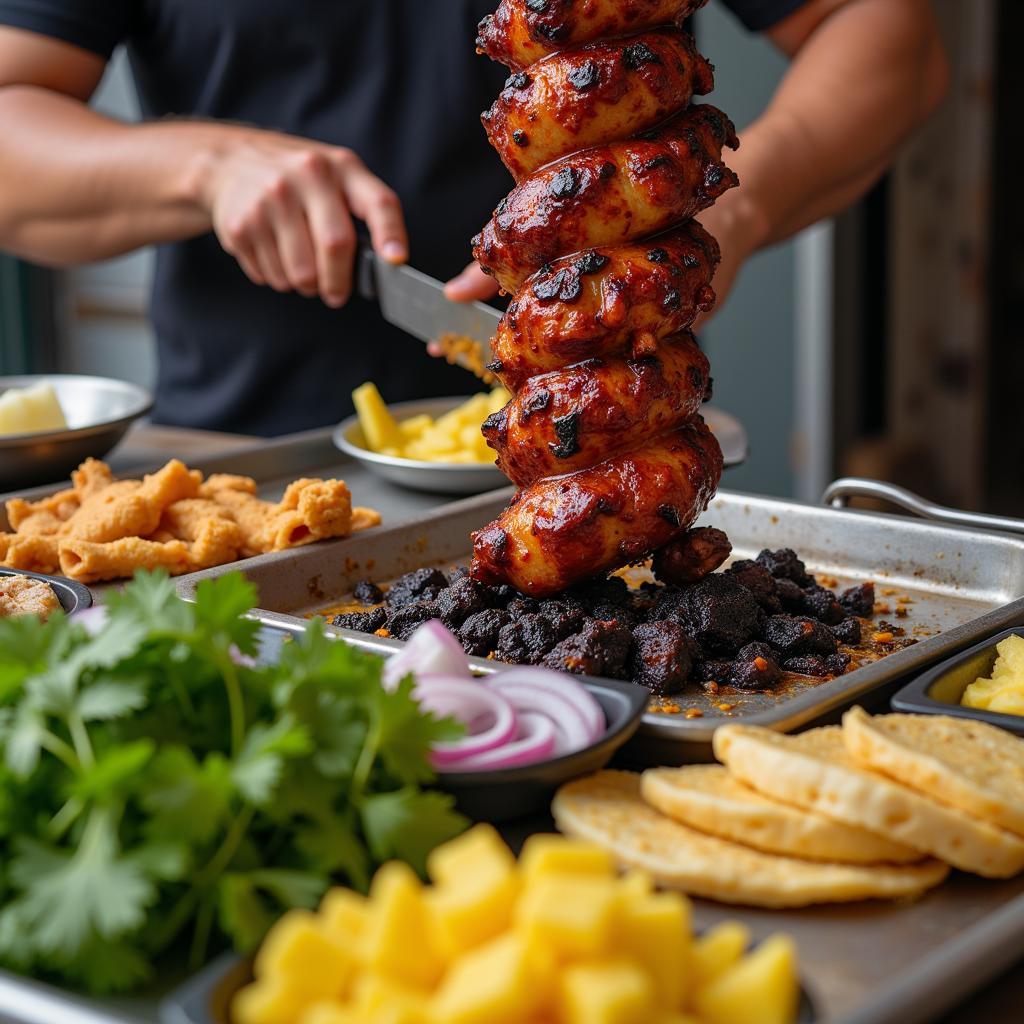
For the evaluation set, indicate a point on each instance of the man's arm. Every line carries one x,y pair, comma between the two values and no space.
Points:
865,74
76,186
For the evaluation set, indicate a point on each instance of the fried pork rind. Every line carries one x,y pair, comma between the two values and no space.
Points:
103,528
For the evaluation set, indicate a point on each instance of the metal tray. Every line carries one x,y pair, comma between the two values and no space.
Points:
965,585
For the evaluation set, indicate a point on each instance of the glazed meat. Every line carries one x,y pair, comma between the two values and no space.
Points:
523,31
608,195
567,528
605,302
594,94
692,556
574,418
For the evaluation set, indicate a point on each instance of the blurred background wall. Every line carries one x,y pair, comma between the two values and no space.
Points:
884,343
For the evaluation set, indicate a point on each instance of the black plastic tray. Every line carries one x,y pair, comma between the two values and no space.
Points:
73,596
940,690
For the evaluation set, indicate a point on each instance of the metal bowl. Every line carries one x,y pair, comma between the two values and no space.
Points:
73,596
98,409
438,477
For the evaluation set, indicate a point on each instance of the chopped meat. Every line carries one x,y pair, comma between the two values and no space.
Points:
362,622
605,590
523,606
565,617
479,633
403,621
625,614
662,658
760,582
367,592
817,665
498,596
755,668
848,631
793,635
525,640
692,556
784,564
821,604
720,614
418,585
598,649
859,600
716,670
791,595
458,601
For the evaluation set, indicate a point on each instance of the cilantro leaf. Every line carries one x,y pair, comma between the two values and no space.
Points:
151,600
332,846
243,914
110,698
185,799
408,824
260,763
220,607
113,771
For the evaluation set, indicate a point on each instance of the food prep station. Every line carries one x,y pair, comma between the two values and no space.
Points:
874,962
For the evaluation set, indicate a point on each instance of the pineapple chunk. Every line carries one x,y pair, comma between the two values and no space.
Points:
377,998
569,914
273,1000
299,949
654,929
762,988
378,425
605,992
398,940
502,982
414,426
1004,690
717,950
329,1013
344,914
1009,701
551,854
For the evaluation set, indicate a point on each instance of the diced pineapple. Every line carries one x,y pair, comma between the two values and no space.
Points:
377,998
502,982
478,849
300,949
398,940
275,1000
762,988
344,915
414,426
569,914
654,930
1009,701
378,425
329,1013
717,950
635,883
605,992
551,854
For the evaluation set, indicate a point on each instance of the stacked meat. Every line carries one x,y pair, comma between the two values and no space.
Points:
608,271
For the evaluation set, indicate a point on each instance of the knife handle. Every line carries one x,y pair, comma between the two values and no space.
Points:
366,283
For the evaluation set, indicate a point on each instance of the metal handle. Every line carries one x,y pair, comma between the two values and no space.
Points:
838,493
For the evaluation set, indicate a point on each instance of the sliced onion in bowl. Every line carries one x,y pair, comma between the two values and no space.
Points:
559,683
572,730
431,650
474,705
535,741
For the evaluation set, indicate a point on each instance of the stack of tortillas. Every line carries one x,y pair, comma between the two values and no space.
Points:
877,808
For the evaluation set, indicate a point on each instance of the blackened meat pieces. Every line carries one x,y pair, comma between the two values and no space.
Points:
419,585
525,640
403,621
362,622
720,614
460,600
755,668
784,564
848,631
367,592
479,633
598,649
859,600
662,658
822,605
565,618
817,665
760,582
793,635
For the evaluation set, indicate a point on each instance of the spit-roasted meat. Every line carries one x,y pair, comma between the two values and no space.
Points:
565,528
608,195
691,557
584,97
574,418
602,431
609,301
523,31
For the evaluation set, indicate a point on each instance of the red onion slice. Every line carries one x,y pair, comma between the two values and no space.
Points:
535,741
471,704
431,650
572,730
561,684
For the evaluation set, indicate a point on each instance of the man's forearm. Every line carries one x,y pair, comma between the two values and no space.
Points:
76,186
860,84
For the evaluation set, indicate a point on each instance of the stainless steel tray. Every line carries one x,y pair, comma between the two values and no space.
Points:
964,584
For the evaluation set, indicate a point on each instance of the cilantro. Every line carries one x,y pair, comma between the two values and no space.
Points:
159,790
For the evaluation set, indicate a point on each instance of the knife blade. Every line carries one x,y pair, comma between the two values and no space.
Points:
416,302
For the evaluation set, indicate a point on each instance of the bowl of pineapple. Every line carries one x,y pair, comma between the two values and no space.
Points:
433,444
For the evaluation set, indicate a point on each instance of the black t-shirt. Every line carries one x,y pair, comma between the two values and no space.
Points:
397,81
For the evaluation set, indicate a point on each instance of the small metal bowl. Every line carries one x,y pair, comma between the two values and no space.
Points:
437,477
940,690
73,596
98,409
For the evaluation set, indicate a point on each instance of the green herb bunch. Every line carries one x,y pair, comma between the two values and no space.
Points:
160,790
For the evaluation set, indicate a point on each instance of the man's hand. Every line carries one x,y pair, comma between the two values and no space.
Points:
284,208
472,283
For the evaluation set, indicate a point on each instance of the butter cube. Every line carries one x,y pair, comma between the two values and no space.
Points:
762,988
605,992
551,854
299,949
398,940
502,982
717,950
569,914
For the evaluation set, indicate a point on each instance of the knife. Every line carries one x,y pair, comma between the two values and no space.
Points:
416,302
